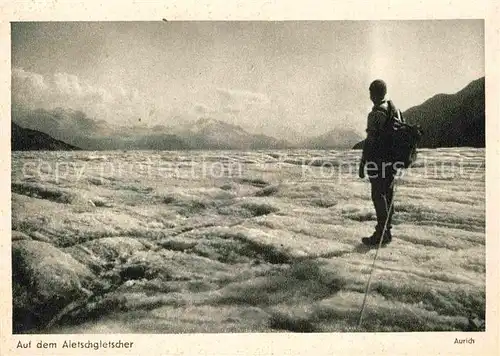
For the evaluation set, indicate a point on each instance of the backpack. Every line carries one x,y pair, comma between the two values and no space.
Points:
400,139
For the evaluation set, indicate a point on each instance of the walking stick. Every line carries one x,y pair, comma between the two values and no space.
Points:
376,252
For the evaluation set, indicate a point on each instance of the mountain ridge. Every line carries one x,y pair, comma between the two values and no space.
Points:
23,139
452,120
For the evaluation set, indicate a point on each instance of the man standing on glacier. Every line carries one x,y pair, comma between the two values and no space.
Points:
379,168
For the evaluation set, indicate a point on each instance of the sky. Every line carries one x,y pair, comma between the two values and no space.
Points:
278,78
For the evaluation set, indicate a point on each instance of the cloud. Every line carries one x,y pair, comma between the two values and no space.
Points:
241,102
254,111
241,97
113,104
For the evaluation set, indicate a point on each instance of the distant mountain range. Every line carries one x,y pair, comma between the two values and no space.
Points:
78,130
451,120
209,133
75,128
333,139
448,120
26,140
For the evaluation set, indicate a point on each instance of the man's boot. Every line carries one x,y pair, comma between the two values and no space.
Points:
374,239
